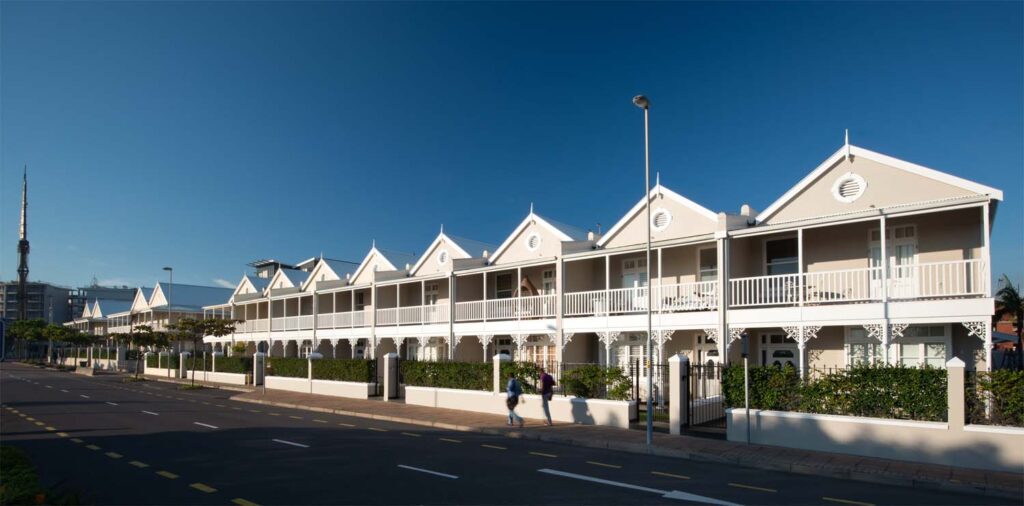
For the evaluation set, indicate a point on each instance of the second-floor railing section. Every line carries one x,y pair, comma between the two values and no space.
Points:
413,315
512,308
909,281
676,297
344,320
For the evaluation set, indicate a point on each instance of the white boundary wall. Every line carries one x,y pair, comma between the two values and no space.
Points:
563,409
348,389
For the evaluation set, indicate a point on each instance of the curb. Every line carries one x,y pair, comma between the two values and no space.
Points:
204,384
755,463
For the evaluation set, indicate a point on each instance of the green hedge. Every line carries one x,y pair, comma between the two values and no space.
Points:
21,483
527,373
237,365
173,361
151,360
459,375
199,362
593,381
363,371
1004,391
878,392
288,367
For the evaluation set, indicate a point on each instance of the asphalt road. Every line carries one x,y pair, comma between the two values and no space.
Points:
151,443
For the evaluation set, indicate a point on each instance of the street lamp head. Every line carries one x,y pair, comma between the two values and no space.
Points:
641,102
168,269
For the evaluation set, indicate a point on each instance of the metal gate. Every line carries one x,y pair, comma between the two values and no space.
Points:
707,403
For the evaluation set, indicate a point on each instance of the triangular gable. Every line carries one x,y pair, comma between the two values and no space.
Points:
157,298
682,218
431,260
374,261
323,271
287,278
141,301
87,312
516,247
885,181
245,287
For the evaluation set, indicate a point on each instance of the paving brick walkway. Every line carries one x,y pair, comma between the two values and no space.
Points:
866,469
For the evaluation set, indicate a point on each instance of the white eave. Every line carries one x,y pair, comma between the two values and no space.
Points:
896,163
658,189
532,217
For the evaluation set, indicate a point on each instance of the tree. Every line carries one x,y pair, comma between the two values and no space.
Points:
140,336
52,333
1010,302
26,331
193,330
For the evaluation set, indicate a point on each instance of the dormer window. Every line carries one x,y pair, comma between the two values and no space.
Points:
848,187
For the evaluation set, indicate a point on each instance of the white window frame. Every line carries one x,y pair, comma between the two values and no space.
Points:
764,251
547,282
700,271
512,286
849,339
431,293
638,270
946,340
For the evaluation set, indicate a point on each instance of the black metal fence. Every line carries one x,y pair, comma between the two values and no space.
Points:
707,402
994,398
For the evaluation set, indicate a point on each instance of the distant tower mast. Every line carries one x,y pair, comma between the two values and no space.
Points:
23,250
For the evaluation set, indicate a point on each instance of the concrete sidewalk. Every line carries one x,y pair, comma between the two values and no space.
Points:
873,470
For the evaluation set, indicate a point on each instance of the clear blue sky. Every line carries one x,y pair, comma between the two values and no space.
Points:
206,135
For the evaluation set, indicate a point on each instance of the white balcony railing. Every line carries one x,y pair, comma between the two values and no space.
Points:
343,320
912,281
251,326
413,315
672,298
513,308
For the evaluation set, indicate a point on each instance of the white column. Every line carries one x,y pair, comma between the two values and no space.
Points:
884,261
986,257
800,264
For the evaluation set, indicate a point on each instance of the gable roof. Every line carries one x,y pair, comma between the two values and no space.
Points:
658,189
561,231
141,300
189,297
337,267
294,277
258,284
395,259
87,311
463,247
889,161
105,307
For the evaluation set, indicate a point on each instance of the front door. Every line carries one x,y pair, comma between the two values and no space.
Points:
901,243
779,350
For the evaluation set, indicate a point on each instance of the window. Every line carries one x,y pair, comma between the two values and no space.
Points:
848,187
707,264
634,272
548,282
430,291
862,349
503,286
359,301
660,219
925,345
781,256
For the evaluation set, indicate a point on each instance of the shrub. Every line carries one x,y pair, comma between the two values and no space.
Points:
458,375
1004,391
173,361
592,381
527,373
238,348
878,392
288,367
151,361
21,483
237,365
363,371
200,366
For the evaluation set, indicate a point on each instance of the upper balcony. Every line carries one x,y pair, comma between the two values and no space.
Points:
511,308
963,278
670,298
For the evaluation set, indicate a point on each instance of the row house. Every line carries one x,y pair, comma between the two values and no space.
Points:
94,317
868,259
162,305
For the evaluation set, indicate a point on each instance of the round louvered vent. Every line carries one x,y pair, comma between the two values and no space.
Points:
442,257
533,242
660,219
849,187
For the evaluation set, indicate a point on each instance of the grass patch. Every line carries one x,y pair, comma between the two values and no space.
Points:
132,379
190,387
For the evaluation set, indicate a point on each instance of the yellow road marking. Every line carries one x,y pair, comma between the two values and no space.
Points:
751,487
138,464
51,429
23,415
167,474
274,414
114,455
202,487
92,447
410,434
319,421
450,440
255,411
31,419
670,475
602,464
539,454
495,447
343,424
62,434
847,501
207,403
76,440
40,423
221,406
242,502
295,417
377,429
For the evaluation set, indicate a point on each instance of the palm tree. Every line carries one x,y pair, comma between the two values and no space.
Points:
1010,302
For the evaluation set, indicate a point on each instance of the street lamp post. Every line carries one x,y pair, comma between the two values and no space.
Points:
170,288
642,102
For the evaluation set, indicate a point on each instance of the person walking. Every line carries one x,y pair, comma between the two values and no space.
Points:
514,390
547,391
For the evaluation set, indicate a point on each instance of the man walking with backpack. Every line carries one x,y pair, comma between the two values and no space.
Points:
547,391
514,390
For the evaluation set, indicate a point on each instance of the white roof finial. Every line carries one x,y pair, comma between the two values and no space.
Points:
657,178
373,245
442,228
846,143
531,207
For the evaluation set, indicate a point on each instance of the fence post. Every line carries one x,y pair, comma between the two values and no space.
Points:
497,360
183,360
258,360
313,355
679,388
955,394
390,376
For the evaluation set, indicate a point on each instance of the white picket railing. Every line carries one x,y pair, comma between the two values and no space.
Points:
911,281
413,315
469,311
513,308
677,297
387,316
